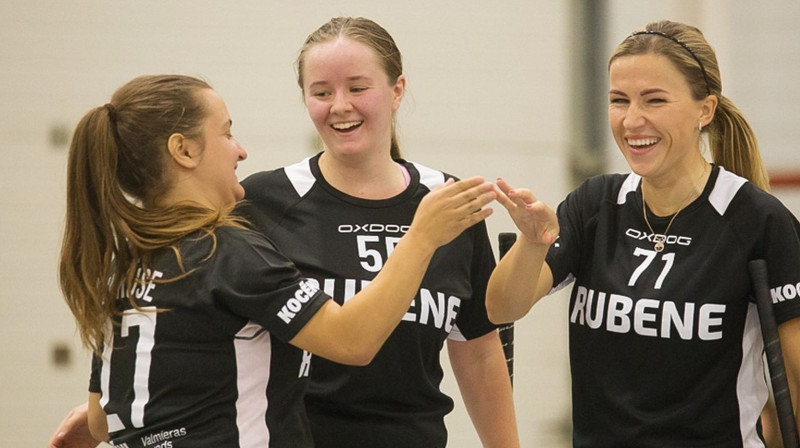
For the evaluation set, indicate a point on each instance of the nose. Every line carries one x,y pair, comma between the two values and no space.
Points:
242,152
633,117
341,103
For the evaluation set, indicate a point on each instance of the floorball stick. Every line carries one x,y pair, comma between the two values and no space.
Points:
506,240
772,347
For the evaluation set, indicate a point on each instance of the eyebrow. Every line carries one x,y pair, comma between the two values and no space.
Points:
349,79
642,93
653,90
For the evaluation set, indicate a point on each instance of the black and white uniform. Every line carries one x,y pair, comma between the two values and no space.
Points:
665,348
213,366
342,242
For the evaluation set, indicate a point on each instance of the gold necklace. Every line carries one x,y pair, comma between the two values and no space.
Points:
660,239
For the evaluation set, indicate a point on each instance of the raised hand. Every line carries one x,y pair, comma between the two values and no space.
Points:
451,208
535,219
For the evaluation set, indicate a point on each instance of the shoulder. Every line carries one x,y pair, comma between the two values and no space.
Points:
429,177
245,244
270,194
238,238
603,189
258,184
733,195
298,177
756,217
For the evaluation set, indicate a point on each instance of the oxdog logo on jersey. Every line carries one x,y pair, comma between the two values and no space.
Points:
301,296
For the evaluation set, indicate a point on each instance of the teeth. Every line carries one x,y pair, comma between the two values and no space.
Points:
347,125
643,141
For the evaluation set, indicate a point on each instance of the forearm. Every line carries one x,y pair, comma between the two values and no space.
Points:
517,282
354,332
98,425
387,298
485,388
361,326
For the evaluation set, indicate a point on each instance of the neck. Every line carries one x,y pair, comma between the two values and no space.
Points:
374,178
186,191
668,198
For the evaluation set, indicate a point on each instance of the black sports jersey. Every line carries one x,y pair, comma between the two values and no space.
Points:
213,366
665,347
342,242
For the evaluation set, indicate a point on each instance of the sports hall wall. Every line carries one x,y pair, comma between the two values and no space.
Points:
491,92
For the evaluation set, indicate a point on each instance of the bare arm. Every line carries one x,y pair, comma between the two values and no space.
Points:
789,333
522,277
98,423
353,333
769,425
479,366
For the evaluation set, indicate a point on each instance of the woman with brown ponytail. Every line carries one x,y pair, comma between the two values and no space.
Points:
198,325
665,342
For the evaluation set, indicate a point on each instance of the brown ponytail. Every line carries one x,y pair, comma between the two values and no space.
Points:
734,145
116,171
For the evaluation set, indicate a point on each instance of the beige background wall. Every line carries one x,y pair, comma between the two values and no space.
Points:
489,94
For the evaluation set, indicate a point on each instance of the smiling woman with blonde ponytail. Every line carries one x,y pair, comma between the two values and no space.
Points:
665,348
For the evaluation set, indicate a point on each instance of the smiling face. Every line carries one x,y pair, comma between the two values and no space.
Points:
654,117
350,98
220,154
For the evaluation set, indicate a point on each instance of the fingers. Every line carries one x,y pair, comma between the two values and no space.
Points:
477,217
504,200
476,203
514,197
447,183
468,195
454,188
505,187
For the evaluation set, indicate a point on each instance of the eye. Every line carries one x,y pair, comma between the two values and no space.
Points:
321,94
618,100
358,89
656,100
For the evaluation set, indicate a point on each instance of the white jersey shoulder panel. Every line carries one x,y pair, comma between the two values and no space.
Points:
300,176
630,184
728,184
429,177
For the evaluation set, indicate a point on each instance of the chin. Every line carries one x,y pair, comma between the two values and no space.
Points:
238,192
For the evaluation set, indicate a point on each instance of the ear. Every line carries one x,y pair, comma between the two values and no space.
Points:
398,90
708,109
183,150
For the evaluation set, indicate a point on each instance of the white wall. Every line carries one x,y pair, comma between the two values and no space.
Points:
489,94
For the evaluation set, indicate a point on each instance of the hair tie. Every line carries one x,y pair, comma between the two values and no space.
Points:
112,112
686,47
